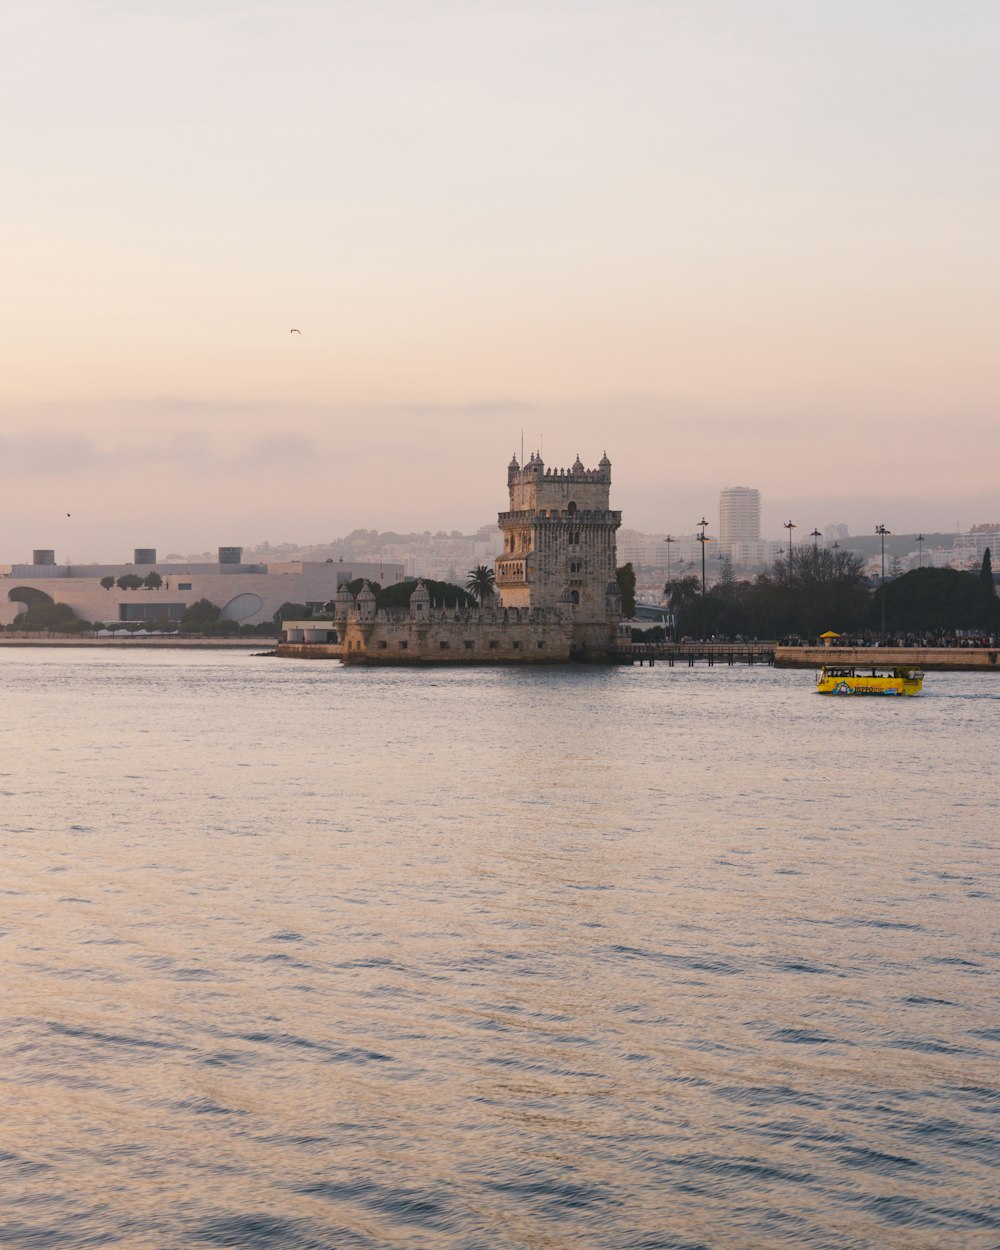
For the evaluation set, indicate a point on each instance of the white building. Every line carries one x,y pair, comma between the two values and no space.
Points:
739,516
246,593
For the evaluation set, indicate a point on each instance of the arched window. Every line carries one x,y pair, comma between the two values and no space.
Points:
571,507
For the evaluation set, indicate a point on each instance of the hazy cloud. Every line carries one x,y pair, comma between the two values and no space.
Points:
48,452
287,449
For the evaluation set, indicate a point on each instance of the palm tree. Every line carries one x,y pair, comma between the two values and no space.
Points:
481,582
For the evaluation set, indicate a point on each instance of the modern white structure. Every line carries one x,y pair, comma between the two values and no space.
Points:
739,516
246,593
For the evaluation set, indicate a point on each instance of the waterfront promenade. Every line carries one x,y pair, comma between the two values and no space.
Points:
133,643
930,659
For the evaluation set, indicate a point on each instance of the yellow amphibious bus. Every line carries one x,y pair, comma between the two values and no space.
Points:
841,679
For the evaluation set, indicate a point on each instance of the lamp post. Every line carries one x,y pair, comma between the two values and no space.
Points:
669,540
882,531
789,525
815,536
920,551
703,540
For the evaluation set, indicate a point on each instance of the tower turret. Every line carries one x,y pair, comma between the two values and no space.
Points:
365,603
420,601
343,601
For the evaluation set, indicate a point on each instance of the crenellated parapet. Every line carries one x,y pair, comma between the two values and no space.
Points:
534,470
586,516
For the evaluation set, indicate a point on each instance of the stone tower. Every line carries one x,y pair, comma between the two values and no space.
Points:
559,545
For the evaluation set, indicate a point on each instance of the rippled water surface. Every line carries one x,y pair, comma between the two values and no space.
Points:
301,957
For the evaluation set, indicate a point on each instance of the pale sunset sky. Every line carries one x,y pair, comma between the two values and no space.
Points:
732,242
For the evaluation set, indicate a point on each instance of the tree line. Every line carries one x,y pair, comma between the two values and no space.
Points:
826,589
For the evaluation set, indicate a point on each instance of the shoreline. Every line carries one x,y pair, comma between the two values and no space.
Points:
133,644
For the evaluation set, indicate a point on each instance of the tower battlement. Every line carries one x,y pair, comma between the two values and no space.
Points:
533,486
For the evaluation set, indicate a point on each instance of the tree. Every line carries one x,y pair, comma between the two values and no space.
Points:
986,572
938,601
129,581
58,617
152,581
443,594
291,612
625,576
481,582
107,582
682,595
828,591
825,589
656,634
200,617
358,584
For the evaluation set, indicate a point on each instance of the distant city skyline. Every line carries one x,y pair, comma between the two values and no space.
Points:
477,545
726,243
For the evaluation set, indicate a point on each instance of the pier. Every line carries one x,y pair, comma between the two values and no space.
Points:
930,659
690,653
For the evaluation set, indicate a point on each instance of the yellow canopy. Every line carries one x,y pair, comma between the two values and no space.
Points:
831,633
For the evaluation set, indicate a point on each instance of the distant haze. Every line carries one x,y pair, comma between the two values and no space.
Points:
728,243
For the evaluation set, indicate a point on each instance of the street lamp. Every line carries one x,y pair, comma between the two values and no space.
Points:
789,525
882,531
920,551
815,536
703,540
670,540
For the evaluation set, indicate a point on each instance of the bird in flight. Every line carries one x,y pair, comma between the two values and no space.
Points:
294,331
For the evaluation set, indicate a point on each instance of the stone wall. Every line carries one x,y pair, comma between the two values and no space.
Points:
931,659
459,636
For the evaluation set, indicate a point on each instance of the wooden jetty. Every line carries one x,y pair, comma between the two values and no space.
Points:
690,653
930,659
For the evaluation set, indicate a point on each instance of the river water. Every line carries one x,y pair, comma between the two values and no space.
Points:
297,956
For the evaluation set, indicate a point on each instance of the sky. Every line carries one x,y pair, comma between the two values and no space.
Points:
730,242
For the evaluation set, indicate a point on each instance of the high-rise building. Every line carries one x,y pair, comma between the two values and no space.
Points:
739,516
